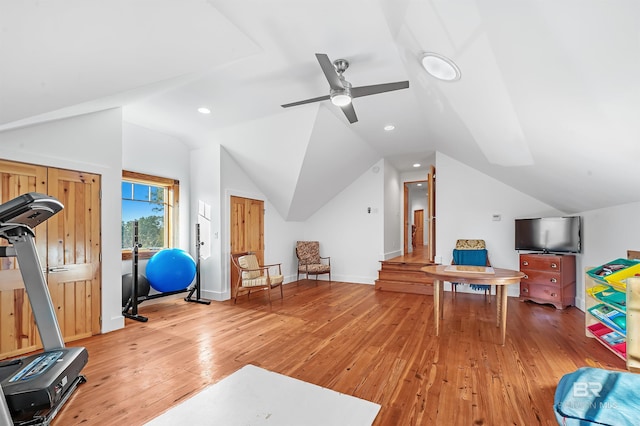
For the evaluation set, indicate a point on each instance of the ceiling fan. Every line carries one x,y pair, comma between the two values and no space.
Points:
341,92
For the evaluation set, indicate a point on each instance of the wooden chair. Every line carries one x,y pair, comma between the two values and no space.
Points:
252,276
471,252
309,260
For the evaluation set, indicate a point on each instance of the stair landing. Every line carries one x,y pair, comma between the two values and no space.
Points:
402,274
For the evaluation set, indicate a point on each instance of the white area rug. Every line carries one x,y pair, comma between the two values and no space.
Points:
254,396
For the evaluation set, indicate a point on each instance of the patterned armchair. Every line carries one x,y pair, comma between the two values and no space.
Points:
252,276
309,260
471,252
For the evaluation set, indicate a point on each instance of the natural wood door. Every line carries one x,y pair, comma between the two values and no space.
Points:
418,222
431,213
72,235
17,324
73,259
247,231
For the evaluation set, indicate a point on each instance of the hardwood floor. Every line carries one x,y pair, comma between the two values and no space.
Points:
379,346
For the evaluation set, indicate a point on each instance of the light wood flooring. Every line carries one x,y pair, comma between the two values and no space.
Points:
379,346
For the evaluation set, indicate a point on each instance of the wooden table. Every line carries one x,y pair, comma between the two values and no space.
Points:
500,278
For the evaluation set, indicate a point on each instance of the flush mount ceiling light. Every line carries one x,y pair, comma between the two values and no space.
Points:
416,165
204,110
389,127
440,67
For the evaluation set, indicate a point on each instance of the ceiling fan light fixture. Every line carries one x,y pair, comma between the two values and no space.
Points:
340,99
440,67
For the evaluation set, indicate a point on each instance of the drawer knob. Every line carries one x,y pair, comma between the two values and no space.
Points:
525,290
554,294
553,280
553,265
525,263
526,277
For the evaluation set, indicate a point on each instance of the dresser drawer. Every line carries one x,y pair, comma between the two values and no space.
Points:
541,262
541,292
542,277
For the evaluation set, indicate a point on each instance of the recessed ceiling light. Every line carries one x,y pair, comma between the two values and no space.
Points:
419,184
440,67
389,127
416,165
204,110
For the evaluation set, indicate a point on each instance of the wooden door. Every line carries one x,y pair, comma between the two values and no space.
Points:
418,222
406,218
19,332
73,259
431,213
247,231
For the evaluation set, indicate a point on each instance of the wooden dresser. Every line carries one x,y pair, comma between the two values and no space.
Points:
549,278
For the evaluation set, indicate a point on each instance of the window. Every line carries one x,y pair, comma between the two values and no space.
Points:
152,201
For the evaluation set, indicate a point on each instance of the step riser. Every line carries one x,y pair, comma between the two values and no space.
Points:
402,266
409,276
404,287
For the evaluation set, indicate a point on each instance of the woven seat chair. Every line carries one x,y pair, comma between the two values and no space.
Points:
252,276
309,260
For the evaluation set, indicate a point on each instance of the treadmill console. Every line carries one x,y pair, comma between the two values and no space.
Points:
27,210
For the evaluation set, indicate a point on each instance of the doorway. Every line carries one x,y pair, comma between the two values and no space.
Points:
419,229
246,233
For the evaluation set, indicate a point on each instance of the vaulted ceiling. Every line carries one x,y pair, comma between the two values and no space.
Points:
547,103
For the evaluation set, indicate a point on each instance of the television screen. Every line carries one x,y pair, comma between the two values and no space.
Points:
549,234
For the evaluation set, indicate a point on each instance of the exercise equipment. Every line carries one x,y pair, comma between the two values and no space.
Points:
181,285
170,269
127,282
34,388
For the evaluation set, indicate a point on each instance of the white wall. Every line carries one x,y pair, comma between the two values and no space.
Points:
205,187
215,178
393,193
154,153
279,235
159,154
349,234
466,200
607,234
90,143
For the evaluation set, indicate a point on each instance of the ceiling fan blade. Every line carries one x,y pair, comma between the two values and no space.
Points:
306,101
329,71
350,112
357,92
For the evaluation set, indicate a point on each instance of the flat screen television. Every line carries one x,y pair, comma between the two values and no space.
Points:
549,234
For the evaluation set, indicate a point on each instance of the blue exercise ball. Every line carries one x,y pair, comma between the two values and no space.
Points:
170,270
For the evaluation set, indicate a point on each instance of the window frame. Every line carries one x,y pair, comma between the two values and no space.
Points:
172,186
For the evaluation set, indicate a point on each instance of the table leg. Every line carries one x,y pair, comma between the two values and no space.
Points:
499,289
441,299
437,303
503,312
